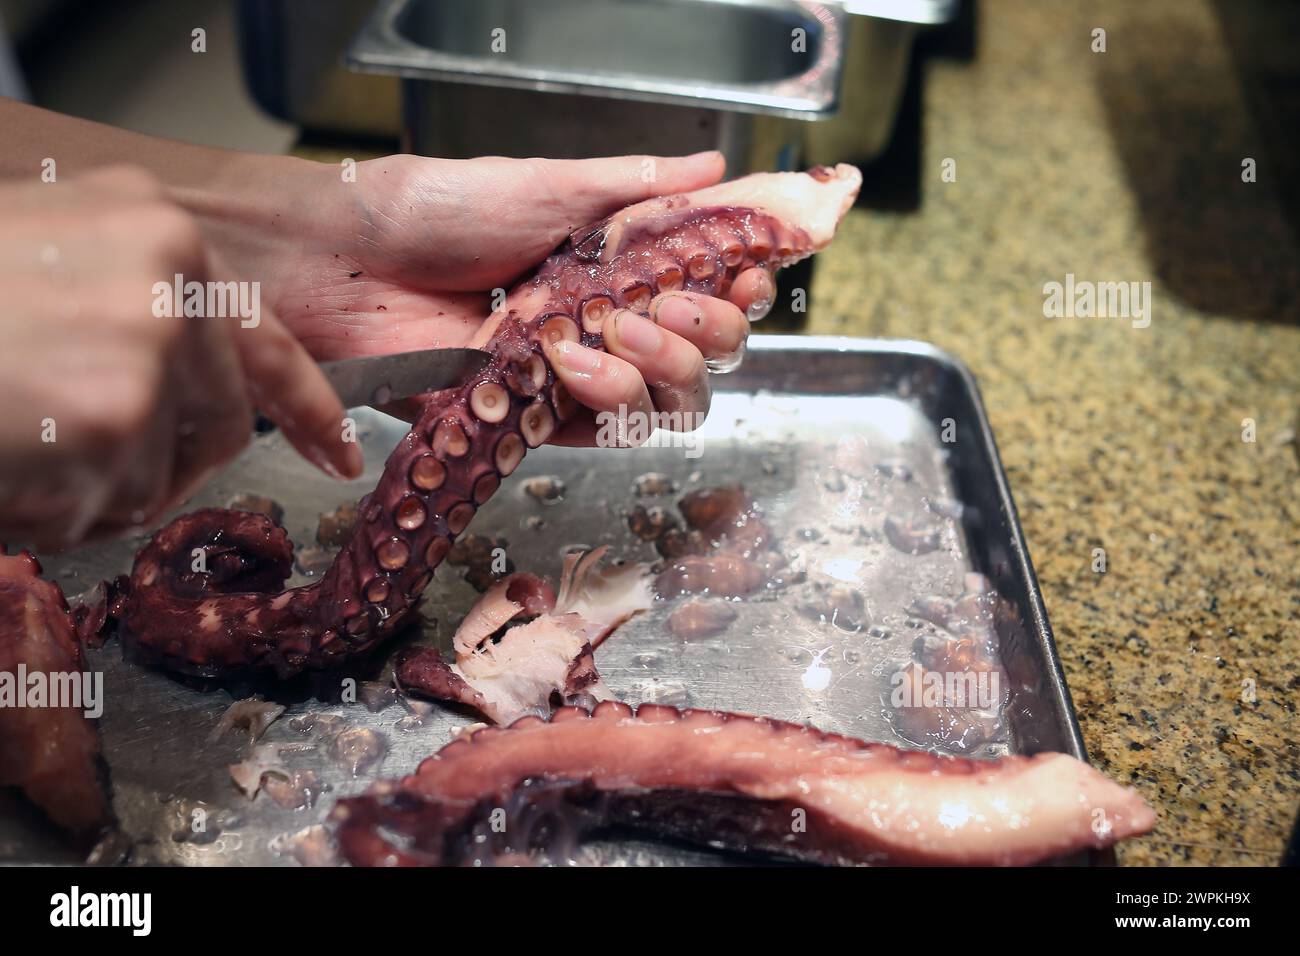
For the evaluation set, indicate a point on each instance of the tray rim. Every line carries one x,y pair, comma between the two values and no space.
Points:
1041,625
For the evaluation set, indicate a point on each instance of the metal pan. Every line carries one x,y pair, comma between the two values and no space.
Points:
836,438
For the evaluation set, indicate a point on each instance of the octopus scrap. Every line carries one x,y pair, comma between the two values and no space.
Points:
521,671
731,781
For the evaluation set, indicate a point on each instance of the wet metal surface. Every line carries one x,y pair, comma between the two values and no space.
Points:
842,442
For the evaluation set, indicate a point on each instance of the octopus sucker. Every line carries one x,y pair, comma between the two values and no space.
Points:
726,552
594,312
696,775
49,748
410,513
438,474
559,328
636,297
490,402
450,440
509,453
671,279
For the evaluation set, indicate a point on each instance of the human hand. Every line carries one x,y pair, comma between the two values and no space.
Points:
113,413
407,256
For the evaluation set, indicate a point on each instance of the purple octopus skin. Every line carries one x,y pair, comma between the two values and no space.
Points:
729,780
52,753
235,616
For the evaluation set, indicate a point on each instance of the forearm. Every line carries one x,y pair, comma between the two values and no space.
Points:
231,192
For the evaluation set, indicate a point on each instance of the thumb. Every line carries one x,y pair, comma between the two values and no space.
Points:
598,187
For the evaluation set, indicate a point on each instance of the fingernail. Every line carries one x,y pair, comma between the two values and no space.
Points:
351,462
637,334
678,314
575,358
703,153
341,460
319,457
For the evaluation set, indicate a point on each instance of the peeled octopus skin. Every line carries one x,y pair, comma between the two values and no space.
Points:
729,780
522,670
52,753
206,594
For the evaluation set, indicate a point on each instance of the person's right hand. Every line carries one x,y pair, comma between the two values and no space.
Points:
110,414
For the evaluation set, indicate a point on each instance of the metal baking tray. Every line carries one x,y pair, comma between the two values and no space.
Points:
832,436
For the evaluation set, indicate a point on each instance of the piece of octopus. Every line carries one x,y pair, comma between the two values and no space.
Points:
726,551
52,753
747,783
505,670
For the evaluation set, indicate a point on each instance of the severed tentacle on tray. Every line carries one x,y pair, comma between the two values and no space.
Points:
728,780
725,551
530,667
206,595
48,747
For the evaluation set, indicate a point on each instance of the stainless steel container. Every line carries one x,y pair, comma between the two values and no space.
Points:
878,43
575,78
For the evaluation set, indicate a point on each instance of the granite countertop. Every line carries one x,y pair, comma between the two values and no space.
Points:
1184,656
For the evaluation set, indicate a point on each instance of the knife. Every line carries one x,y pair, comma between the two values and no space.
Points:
378,379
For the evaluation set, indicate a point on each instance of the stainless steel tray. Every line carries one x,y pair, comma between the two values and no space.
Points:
832,436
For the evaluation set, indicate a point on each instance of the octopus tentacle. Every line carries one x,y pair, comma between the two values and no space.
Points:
737,781
228,612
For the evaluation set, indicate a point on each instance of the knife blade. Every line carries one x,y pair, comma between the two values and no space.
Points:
376,379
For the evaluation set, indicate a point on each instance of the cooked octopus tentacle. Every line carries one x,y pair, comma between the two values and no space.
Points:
52,753
206,595
748,783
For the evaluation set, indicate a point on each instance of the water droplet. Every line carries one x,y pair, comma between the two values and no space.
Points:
818,676
727,363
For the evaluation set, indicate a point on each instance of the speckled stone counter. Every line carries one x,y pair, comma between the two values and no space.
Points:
1184,656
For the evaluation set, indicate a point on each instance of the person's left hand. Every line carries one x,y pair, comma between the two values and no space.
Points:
408,255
